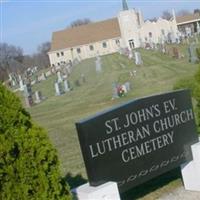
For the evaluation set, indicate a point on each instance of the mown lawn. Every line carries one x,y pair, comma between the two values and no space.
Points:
58,114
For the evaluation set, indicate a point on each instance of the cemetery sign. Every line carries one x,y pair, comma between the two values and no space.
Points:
139,140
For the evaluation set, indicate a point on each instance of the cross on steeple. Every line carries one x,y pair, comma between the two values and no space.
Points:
124,5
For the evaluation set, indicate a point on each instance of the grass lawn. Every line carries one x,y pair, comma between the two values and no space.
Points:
58,114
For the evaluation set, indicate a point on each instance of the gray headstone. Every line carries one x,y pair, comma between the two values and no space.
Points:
29,101
59,77
192,54
98,64
58,88
115,92
38,96
66,86
138,59
21,83
27,90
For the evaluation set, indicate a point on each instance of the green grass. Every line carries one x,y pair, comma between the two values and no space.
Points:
58,114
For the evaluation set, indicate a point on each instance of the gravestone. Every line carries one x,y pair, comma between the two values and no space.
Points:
59,77
58,88
28,95
38,96
196,39
198,28
192,54
66,85
138,59
27,89
43,77
98,64
29,101
137,141
48,73
175,52
115,92
127,85
21,83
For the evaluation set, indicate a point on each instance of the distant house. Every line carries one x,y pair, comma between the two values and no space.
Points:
127,30
188,24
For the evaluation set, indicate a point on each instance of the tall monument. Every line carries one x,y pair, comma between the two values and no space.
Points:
124,5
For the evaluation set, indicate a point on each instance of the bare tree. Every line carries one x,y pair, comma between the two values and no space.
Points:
166,15
154,19
10,54
197,11
41,58
44,47
183,12
80,22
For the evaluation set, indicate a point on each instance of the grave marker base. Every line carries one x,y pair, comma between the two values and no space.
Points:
107,190
191,170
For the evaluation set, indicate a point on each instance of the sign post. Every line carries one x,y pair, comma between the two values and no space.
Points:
137,141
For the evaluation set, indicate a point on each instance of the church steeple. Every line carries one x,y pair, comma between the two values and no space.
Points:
124,5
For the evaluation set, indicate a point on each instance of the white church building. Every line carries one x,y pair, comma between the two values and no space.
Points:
127,30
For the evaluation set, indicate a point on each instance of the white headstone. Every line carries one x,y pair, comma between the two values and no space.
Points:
138,59
58,89
66,86
198,28
43,77
59,77
98,64
38,97
21,83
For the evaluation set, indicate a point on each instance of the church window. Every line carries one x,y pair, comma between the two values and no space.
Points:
131,44
58,64
117,42
150,34
91,47
104,44
163,31
58,55
78,50
62,53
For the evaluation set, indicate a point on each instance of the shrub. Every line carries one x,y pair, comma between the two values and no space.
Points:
29,166
194,85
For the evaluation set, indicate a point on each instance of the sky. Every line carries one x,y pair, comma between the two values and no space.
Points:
29,23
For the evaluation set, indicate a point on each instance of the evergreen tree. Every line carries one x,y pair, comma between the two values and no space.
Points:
29,167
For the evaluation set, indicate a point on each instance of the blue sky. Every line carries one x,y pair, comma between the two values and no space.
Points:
28,23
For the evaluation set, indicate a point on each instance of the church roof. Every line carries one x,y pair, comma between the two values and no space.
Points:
85,34
187,18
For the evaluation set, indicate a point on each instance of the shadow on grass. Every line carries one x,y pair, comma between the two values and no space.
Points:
75,181
152,185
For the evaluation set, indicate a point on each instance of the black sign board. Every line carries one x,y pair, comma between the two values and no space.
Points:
139,140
